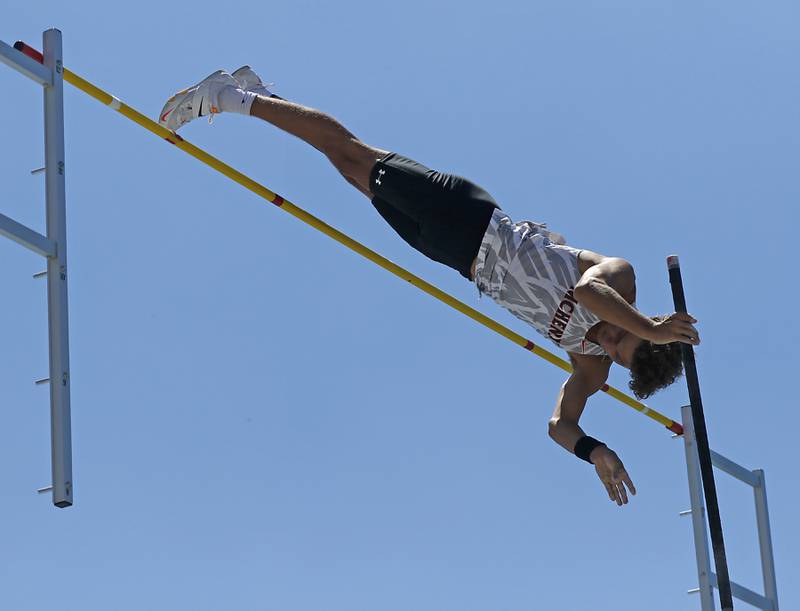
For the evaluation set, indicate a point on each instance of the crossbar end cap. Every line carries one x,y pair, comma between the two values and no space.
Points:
672,262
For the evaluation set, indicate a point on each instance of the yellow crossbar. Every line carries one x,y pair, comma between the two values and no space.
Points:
340,237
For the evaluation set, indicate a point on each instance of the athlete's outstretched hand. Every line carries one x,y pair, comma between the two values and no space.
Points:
612,473
677,327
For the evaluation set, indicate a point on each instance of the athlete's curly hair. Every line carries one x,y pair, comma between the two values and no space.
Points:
654,366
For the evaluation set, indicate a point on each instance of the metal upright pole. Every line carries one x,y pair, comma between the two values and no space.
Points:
765,539
698,513
60,428
703,451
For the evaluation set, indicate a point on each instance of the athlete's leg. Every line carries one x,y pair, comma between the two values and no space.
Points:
442,215
349,155
221,92
355,161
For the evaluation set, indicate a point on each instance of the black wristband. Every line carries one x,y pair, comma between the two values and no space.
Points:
584,447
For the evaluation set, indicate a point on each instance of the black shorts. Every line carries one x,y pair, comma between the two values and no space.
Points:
441,215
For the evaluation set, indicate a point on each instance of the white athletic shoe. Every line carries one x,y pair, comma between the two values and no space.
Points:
250,81
199,100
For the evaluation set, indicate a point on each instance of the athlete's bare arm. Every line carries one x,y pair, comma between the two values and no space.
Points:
608,288
588,376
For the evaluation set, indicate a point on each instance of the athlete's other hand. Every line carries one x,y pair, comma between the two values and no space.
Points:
612,473
677,327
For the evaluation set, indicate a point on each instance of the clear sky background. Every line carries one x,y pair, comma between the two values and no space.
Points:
264,420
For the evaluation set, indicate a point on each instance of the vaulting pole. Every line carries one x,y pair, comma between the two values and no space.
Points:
703,451
309,219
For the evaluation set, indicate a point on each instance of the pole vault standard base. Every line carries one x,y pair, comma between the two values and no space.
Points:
707,579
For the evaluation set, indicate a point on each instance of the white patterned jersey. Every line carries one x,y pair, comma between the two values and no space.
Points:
529,271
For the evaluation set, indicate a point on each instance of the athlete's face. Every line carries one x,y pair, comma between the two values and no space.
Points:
619,344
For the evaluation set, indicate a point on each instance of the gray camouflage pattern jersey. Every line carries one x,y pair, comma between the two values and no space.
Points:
529,271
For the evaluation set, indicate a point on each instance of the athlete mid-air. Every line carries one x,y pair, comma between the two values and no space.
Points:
581,300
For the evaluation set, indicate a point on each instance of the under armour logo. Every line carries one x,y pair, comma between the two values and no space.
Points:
380,175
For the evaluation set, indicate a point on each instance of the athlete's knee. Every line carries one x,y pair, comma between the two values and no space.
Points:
344,153
362,188
342,159
354,160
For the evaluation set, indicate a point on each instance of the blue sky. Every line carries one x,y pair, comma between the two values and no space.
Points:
264,420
